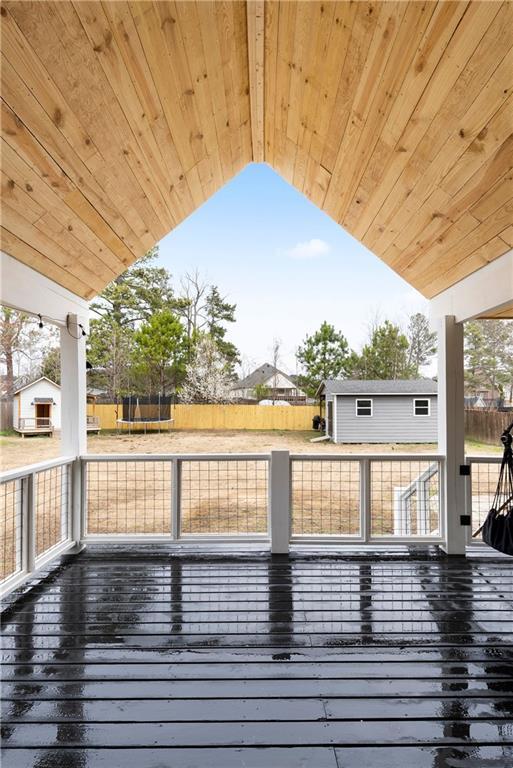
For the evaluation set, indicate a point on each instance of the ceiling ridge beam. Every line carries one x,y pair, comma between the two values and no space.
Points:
255,30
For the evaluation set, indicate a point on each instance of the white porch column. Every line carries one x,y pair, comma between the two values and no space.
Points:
279,502
73,414
73,389
451,429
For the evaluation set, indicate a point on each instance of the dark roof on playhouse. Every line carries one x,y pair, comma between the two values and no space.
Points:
260,376
378,387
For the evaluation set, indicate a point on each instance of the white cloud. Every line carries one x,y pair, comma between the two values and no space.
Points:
310,249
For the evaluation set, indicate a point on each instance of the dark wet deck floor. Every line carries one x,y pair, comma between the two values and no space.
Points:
141,659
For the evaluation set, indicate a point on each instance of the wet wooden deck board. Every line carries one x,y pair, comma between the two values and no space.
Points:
121,658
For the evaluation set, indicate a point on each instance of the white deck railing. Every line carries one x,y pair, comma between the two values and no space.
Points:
387,498
34,423
480,490
35,518
275,499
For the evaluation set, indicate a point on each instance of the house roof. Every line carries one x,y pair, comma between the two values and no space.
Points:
122,121
35,381
378,387
260,376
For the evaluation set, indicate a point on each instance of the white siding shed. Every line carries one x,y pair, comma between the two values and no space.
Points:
37,407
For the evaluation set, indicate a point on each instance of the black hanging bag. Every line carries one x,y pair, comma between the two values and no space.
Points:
498,527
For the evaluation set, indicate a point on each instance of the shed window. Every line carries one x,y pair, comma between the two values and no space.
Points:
421,407
363,407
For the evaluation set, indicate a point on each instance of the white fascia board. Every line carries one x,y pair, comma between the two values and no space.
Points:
26,290
485,291
383,394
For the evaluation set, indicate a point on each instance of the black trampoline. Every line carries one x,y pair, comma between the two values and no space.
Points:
145,413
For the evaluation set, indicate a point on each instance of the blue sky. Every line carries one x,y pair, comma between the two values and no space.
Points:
286,265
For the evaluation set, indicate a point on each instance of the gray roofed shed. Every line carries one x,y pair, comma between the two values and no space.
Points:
378,387
381,411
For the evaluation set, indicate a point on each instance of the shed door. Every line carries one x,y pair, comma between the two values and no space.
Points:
329,425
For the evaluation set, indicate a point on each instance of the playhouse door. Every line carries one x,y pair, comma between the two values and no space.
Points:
43,414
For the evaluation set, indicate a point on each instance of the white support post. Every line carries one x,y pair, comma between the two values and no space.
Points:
451,429
73,411
29,522
279,502
73,390
176,482
365,500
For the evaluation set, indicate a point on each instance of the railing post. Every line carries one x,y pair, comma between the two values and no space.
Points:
29,523
176,480
468,504
279,501
365,510
451,430
78,502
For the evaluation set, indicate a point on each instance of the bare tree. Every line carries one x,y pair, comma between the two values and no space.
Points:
246,366
275,357
191,304
22,346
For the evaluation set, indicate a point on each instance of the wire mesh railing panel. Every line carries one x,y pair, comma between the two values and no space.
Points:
128,497
325,498
484,477
405,498
224,497
11,528
52,497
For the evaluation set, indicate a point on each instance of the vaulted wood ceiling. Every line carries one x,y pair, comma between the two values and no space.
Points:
120,118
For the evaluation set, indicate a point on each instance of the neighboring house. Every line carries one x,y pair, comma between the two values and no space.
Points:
474,401
380,411
36,407
268,382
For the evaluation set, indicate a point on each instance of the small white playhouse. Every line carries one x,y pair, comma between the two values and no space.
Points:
36,408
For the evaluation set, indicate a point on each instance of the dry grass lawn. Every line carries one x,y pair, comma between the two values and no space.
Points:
17,452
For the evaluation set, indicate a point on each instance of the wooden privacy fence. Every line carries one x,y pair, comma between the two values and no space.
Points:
5,414
486,426
296,417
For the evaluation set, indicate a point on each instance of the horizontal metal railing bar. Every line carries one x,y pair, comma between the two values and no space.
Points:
411,457
165,538
220,538
44,559
374,539
105,457
52,552
113,538
29,469
495,459
12,581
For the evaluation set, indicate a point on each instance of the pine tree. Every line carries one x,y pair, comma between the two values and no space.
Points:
385,356
422,342
159,351
324,355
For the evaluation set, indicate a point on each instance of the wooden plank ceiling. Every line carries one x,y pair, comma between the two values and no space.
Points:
120,118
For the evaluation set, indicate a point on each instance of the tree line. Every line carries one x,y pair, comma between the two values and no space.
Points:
389,353
149,335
